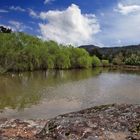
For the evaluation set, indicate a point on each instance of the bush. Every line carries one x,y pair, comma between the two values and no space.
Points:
80,58
105,63
133,60
118,59
96,61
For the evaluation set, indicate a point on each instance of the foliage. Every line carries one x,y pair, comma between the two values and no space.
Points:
5,30
118,59
62,59
116,55
133,59
22,52
105,63
95,61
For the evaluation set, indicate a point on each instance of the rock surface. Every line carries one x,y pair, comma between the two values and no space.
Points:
107,122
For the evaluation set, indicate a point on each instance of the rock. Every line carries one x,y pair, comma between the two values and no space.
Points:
107,122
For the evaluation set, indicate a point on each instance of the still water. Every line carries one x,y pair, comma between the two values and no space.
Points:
42,95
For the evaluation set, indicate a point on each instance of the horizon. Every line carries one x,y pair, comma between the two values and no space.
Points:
110,46
100,22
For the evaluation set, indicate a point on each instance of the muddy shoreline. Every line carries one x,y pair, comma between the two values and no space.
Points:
106,122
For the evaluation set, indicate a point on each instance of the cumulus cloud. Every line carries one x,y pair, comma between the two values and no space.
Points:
69,26
17,8
127,9
48,1
3,11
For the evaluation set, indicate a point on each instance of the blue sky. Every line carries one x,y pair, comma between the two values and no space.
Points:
76,22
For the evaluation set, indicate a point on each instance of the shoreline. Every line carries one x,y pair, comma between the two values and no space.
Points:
126,67
100,122
114,67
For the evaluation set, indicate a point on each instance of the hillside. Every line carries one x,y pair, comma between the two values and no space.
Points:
111,52
89,47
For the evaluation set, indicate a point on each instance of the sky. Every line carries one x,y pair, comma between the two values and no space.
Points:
77,22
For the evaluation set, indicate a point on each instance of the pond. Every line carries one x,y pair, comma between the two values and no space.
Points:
45,94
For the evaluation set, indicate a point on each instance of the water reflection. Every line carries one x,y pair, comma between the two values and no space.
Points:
49,93
18,91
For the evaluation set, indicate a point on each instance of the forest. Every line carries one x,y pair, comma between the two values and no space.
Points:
22,52
121,55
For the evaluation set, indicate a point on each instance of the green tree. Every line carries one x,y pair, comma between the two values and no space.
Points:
133,60
62,61
80,58
22,52
118,59
96,61
105,63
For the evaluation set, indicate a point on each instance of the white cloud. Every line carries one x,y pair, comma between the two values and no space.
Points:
127,9
3,11
17,8
69,26
6,26
33,14
120,29
48,1
18,26
130,2
15,24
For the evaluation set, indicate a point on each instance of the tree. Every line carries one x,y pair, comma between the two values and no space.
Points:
80,58
105,63
62,60
5,30
96,52
118,59
95,61
133,59
22,52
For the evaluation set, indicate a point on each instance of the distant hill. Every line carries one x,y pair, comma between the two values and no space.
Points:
110,52
89,47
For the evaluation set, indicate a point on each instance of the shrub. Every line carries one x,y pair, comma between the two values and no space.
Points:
105,63
96,61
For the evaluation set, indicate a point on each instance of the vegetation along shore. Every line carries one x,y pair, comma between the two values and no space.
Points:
22,52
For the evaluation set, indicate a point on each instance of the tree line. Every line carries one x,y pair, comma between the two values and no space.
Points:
22,52
126,55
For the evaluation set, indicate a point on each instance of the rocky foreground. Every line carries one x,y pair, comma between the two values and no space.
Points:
107,122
